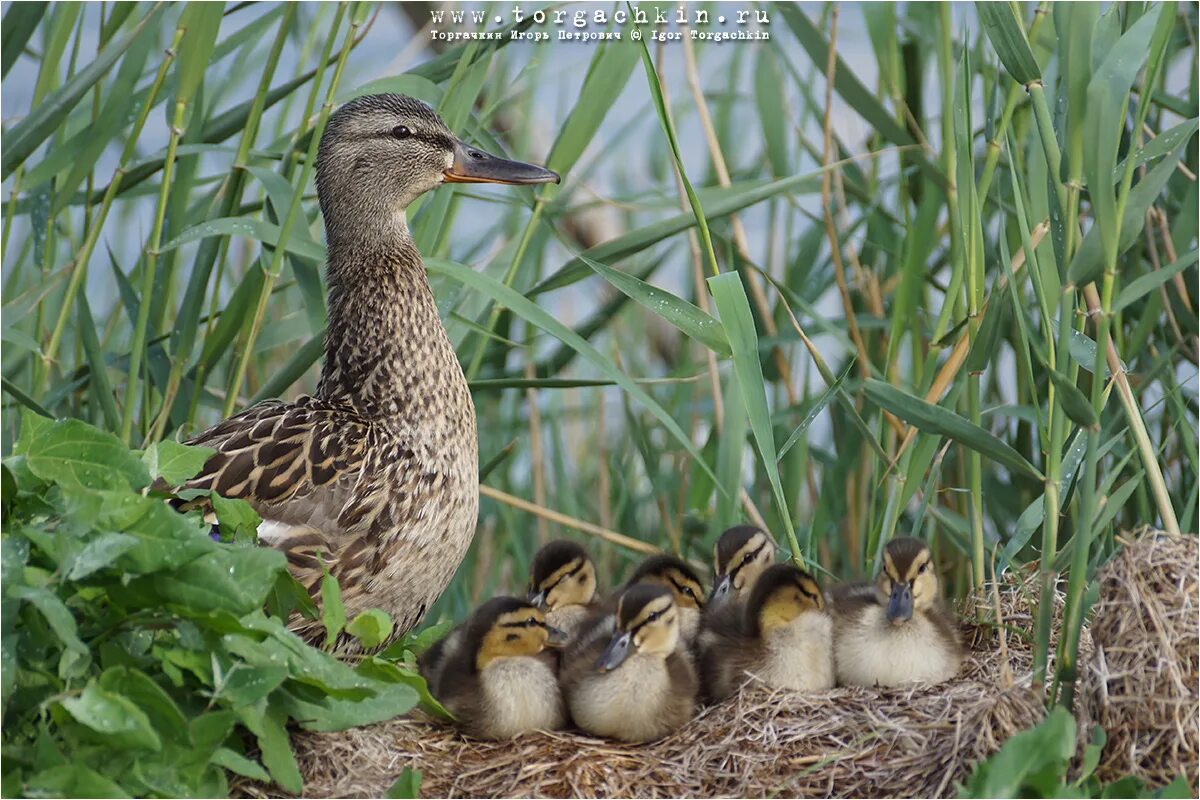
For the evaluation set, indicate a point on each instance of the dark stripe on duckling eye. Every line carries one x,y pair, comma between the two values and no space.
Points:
815,598
753,554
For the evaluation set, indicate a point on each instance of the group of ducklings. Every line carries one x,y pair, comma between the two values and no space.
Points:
632,666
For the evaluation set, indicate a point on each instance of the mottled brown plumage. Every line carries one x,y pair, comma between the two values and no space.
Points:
375,477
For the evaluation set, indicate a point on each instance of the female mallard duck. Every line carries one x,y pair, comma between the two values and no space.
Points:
740,555
500,682
780,635
895,631
562,580
374,478
638,685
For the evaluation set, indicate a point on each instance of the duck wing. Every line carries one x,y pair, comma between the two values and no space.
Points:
303,468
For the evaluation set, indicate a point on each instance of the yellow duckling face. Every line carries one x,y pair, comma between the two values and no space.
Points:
781,594
507,628
739,557
647,622
674,575
907,582
562,574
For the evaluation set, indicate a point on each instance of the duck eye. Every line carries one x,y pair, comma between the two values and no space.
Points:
921,569
401,132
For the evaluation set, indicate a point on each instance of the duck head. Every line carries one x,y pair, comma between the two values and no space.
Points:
907,582
380,152
562,574
739,557
505,627
647,621
780,595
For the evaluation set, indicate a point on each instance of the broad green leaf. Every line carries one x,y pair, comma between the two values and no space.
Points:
935,419
237,517
56,613
408,785
687,318
239,765
335,714
152,699
267,725
230,579
174,462
333,614
164,537
113,716
20,21
201,21
372,628
532,313
245,685
74,454
772,109
1007,35
1162,145
71,780
100,552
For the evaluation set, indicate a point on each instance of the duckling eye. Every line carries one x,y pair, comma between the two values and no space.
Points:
921,569
401,132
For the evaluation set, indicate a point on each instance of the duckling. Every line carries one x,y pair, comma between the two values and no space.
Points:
781,635
500,681
896,631
562,581
740,555
659,570
638,685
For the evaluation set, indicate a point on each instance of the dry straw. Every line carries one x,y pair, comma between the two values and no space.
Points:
1141,681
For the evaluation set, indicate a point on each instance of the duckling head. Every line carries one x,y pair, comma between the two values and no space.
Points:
562,574
380,152
780,595
505,627
675,575
647,621
739,557
907,582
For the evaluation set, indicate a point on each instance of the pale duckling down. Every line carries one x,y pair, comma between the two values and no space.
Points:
740,555
781,635
562,582
896,631
501,681
638,685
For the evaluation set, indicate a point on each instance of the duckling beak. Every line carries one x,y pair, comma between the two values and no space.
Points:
900,604
472,165
616,652
721,590
536,598
555,637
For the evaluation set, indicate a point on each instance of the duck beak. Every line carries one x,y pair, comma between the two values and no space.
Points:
556,637
472,165
616,652
536,598
900,604
721,590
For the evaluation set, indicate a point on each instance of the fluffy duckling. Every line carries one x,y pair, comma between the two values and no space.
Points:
562,581
638,685
681,580
740,555
500,682
896,631
781,635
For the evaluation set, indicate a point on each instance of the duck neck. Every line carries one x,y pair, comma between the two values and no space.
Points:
386,351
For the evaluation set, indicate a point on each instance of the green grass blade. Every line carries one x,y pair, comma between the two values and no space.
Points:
1007,35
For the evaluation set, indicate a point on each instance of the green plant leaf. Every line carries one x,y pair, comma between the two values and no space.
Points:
114,717
1007,35
1142,285
408,785
1074,402
228,579
687,318
100,552
935,419
333,614
372,628
74,454
174,462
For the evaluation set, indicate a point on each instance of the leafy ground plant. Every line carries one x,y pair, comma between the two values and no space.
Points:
144,653
1037,763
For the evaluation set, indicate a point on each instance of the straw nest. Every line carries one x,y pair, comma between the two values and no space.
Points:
914,742
1141,679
